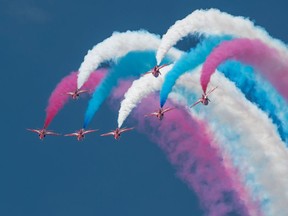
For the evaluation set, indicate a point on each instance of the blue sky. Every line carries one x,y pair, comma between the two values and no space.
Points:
41,42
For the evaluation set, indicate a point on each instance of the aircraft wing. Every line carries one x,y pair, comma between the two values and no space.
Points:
151,114
71,134
167,109
195,103
69,93
52,133
149,72
108,134
211,90
126,129
164,65
82,91
89,131
33,130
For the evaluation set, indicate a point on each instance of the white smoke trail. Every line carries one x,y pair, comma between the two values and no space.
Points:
213,21
247,135
116,46
251,141
147,85
278,101
139,89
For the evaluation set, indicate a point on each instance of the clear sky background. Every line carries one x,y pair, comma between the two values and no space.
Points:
41,42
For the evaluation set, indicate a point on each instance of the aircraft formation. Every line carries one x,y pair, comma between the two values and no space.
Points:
218,148
80,134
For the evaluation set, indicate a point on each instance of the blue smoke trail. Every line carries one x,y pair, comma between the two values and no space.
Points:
133,64
189,61
259,91
266,97
252,86
231,146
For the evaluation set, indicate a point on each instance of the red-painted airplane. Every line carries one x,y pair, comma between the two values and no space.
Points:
204,99
155,71
117,133
80,134
43,132
160,113
75,94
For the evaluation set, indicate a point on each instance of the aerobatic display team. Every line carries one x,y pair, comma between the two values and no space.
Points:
218,111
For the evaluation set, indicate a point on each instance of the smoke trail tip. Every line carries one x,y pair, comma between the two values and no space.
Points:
85,124
46,124
162,102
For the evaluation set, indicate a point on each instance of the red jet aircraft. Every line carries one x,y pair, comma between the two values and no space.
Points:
80,134
156,70
43,132
117,133
204,99
160,113
75,94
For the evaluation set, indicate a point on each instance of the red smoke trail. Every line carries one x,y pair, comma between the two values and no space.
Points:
188,145
253,52
59,97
